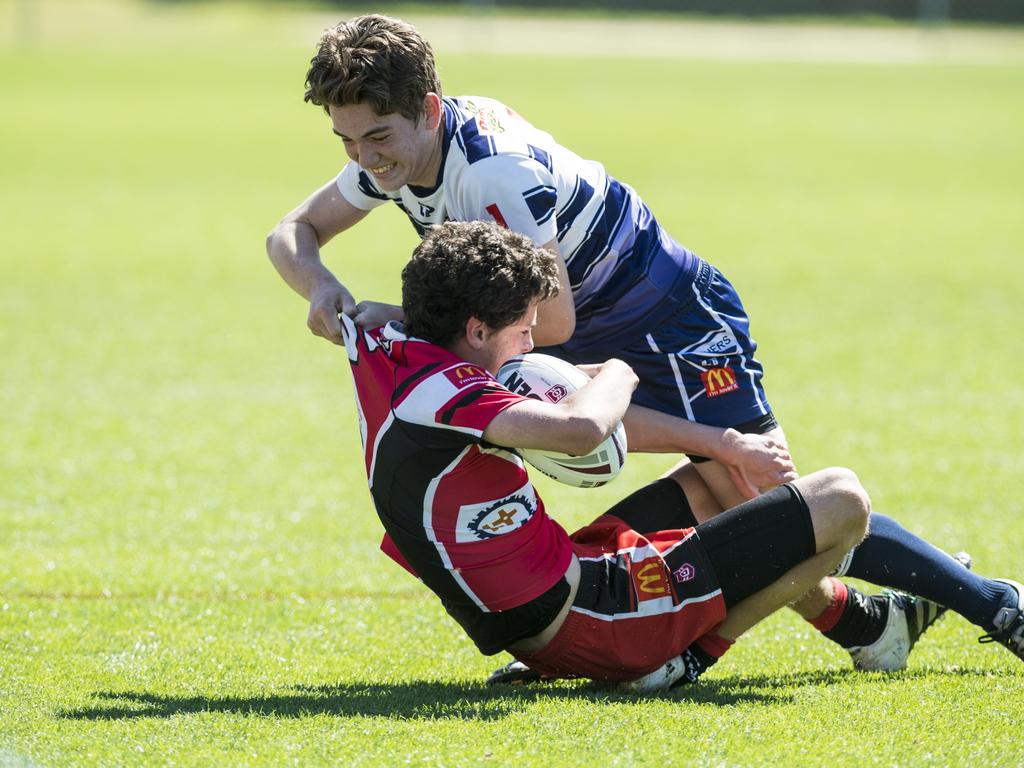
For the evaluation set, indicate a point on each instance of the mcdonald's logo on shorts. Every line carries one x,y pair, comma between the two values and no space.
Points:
464,375
719,381
650,579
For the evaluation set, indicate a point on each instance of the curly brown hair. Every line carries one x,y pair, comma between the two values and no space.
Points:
473,269
376,60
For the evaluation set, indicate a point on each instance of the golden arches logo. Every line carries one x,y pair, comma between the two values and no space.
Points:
467,371
652,583
718,381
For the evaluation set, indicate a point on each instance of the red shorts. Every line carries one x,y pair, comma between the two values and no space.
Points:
642,600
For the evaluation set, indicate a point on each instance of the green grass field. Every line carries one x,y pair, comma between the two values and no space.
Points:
188,562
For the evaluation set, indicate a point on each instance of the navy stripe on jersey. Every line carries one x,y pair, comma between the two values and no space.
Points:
368,188
473,145
565,218
541,157
602,232
541,201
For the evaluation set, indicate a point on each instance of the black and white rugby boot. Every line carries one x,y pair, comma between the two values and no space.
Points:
1009,624
908,617
515,673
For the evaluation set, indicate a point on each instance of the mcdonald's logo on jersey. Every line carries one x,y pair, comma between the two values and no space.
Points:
719,381
466,374
650,579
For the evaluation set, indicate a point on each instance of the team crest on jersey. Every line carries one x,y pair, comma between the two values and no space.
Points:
487,122
719,381
466,374
489,519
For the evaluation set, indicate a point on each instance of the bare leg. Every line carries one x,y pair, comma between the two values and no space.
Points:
839,513
710,490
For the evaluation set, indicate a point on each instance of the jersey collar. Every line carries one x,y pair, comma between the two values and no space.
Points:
446,139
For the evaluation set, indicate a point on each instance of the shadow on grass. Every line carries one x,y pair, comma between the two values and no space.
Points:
426,700
405,701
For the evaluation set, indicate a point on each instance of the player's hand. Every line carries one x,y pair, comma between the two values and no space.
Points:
756,463
327,302
619,368
373,314
614,364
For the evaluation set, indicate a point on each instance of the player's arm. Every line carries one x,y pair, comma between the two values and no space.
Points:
575,425
294,249
754,461
556,317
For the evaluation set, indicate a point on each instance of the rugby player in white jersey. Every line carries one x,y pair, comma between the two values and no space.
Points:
629,290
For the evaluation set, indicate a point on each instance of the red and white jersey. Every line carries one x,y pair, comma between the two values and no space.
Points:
461,514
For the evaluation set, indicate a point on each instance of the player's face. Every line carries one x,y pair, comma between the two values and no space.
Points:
396,150
512,340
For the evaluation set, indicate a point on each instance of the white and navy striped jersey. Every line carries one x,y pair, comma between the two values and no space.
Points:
625,271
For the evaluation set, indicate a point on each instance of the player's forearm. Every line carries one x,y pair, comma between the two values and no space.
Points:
599,406
294,251
650,431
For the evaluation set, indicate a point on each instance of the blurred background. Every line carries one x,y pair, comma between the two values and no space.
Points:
182,498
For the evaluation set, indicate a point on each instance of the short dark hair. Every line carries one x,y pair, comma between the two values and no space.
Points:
473,269
376,60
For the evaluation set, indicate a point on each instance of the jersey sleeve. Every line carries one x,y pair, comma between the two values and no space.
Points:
388,547
516,191
461,397
358,188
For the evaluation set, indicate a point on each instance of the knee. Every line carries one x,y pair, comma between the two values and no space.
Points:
850,502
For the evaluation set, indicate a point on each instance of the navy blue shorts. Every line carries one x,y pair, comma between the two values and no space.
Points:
699,363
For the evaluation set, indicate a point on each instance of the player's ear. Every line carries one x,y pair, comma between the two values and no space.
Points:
477,332
432,110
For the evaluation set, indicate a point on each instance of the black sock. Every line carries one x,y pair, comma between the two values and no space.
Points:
862,620
697,662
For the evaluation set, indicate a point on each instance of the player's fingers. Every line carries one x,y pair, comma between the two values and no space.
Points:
326,325
742,483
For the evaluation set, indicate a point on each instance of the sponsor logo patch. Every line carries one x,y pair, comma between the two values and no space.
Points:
464,375
685,572
649,577
719,381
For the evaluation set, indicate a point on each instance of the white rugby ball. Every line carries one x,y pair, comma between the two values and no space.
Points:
548,378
